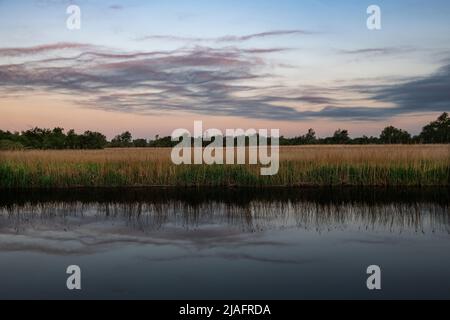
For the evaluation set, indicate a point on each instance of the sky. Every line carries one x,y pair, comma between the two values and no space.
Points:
151,67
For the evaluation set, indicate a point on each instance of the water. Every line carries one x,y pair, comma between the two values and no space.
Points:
233,244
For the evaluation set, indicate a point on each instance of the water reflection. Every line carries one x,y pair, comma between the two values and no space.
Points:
145,210
98,219
249,243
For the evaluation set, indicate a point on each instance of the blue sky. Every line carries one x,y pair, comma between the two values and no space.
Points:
284,64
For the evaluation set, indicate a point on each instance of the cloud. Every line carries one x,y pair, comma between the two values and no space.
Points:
10,52
144,81
226,81
377,51
429,93
262,35
229,38
116,7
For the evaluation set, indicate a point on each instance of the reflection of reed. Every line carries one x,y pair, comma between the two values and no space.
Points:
253,216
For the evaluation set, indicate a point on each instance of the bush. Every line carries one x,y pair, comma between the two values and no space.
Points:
10,145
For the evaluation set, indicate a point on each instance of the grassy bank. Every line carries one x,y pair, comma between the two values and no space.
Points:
422,165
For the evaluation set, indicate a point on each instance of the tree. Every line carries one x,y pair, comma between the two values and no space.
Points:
340,137
162,142
6,135
73,140
392,135
123,140
437,131
140,143
93,140
10,139
34,138
365,140
55,139
10,145
310,137
39,138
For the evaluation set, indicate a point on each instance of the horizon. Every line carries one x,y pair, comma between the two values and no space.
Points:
159,137
288,65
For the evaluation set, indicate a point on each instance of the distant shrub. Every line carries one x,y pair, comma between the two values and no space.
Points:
10,145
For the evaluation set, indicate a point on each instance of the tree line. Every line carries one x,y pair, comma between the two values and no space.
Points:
437,132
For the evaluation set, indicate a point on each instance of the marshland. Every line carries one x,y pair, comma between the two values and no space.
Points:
370,165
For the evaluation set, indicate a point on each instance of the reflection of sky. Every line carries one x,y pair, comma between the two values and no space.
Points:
291,253
288,64
89,228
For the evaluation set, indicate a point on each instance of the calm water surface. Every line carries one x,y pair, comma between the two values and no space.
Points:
233,244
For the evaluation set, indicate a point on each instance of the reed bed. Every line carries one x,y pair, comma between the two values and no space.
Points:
396,165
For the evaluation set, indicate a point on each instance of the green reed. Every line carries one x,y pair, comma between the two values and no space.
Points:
41,174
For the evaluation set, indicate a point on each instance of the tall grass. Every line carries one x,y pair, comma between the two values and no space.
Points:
424,165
